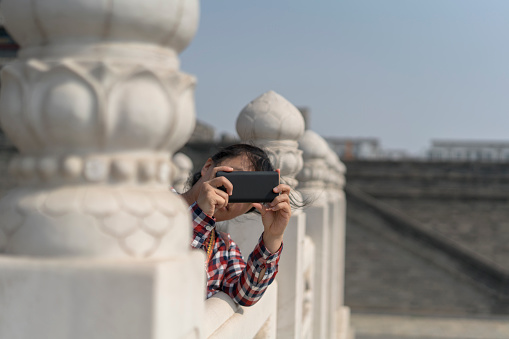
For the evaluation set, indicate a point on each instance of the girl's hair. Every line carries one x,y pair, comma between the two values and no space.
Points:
258,158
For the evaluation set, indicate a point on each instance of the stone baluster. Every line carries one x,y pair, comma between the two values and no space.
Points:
312,186
273,123
344,329
96,104
337,208
183,170
314,174
339,184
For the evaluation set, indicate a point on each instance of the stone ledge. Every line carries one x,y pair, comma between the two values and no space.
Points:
419,327
225,319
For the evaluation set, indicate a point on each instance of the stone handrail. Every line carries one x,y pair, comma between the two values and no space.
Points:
225,319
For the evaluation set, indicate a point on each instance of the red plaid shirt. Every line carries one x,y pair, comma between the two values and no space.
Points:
227,271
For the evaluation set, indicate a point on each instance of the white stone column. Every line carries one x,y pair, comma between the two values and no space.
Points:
273,123
183,170
337,204
312,187
94,244
340,170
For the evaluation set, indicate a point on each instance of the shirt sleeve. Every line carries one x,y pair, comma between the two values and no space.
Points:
202,226
245,282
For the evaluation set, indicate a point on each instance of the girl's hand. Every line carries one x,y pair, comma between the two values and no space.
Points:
210,197
275,217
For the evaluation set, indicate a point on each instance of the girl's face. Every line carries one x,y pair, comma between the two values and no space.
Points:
233,210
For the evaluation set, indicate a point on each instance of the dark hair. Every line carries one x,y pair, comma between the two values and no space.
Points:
258,158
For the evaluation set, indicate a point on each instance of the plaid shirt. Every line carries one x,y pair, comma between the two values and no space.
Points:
227,271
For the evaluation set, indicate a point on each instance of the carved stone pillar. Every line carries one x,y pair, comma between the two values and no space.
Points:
338,184
344,328
95,102
273,123
183,170
337,204
315,169
313,188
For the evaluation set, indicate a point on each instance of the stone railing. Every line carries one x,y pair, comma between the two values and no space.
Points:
225,319
273,123
321,183
310,278
93,244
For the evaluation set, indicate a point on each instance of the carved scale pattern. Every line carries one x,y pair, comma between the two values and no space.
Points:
136,220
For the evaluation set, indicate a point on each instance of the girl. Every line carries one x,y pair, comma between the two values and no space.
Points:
244,282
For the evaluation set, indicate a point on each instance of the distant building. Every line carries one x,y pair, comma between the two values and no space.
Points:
355,148
394,154
487,151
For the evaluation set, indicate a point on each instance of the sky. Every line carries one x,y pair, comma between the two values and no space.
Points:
403,71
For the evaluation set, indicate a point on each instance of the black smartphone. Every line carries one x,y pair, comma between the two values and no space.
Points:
251,186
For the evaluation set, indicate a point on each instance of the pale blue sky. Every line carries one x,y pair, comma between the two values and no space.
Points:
403,71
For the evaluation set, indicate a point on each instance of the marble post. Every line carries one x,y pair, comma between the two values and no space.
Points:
342,312
273,123
94,245
337,205
183,170
312,187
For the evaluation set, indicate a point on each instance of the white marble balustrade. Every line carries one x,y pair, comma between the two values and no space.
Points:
310,278
92,243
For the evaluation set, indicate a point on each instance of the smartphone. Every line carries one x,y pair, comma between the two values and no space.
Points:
251,186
